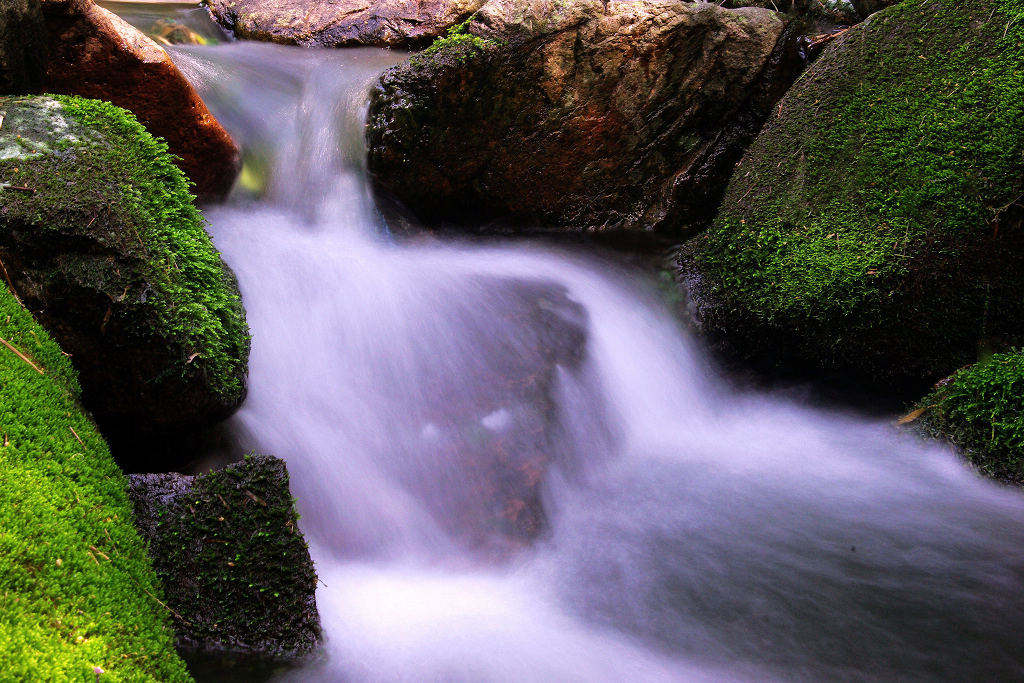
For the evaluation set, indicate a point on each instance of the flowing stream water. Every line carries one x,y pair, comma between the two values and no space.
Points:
418,389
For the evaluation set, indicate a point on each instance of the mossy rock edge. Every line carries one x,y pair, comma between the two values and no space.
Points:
875,229
103,242
980,409
77,590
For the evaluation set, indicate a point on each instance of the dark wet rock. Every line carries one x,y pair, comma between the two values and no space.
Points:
22,47
234,566
866,8
875,229
101,240
342,23
577,115
93,53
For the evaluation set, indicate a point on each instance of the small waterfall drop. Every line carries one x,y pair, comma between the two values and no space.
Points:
680,531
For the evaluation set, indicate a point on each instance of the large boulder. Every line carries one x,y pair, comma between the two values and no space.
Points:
980,409
93,53
234,566
22,47
342,23
80,599
576,115
100,238
875,227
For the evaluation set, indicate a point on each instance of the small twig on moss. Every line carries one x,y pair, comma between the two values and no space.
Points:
18,188
76,435
22,356
10,285
254,497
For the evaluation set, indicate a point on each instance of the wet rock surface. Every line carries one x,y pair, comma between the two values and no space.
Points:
234,566
342,23
93,53
578,116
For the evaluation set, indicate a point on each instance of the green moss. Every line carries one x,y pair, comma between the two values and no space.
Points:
458,44
981,410
230,553
76,588
106,176
895,157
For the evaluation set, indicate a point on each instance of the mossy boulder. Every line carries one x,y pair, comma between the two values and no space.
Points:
874,228
22,47
234,565
77,590
100,238
579,115
980,409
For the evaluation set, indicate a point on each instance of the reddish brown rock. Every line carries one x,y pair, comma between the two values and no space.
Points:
93,53
338,23
577,115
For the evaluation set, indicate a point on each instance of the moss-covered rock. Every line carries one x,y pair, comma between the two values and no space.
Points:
22,47
577,115
100,238
874,227
77,590
981,410
234,565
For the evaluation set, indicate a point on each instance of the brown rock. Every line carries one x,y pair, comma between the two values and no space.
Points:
576,115
93,53
328,23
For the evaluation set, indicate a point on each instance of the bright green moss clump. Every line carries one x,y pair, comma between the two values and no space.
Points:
76,588
875,225
981,410
190,293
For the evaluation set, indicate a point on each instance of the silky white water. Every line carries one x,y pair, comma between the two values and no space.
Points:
689,532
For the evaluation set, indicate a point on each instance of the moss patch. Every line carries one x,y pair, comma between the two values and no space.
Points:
76,588
876,221
228,549
981,410
112,252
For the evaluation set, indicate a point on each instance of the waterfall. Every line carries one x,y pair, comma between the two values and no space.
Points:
513,464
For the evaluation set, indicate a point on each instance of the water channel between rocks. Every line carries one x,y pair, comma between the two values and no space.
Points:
419,391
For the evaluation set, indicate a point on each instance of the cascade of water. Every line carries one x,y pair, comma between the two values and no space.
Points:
679,531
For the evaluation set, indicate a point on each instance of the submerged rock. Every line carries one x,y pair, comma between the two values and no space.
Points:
342,23
980,409
101,240
576,115
93,53
875,228
22,47
233,563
